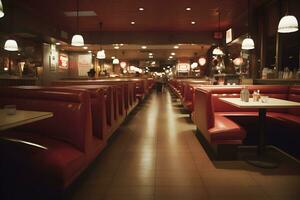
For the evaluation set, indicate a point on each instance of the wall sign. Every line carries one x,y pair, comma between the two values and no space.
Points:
84,64
63,61
228,35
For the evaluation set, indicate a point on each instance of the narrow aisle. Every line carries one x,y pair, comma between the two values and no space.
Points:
155,155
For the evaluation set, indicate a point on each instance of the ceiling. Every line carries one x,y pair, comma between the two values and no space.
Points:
158,15
152,52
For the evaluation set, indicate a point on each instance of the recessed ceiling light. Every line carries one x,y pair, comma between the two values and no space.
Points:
192,22
188,9
57,43
176,47
132,23
116,47
150,54
85,47
19,54
89,51
121,44
141,9
170,57
173,54
144,47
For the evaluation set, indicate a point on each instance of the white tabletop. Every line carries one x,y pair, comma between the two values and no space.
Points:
271,103
21,117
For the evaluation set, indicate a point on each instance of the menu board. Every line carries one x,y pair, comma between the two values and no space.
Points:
84,64
183,67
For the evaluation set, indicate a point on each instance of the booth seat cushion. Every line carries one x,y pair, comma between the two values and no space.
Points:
286,117
225,129
56,166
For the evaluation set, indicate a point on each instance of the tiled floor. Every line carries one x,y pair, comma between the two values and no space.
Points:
155,155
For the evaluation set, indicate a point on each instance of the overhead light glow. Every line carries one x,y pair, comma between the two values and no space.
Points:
192,22
11,45
116,61
202,61
101,54
85,47
1,10
217,51
170,57
173,54
150,54
132,23
89,51
194,65
77,40
113,57
123,64
288,24
58,43
144,47
141,9
116,47
248,44
176,47
188,9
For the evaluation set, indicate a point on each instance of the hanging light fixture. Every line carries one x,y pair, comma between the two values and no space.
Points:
248,42
101,52
116,61
77,39
288,23
1,10
10,44
217,51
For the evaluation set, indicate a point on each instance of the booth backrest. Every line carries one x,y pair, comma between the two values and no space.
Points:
204,111
71,121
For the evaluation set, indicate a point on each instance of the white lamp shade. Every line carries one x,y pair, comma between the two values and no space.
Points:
116,61
217,51
288,24
194,65
247,44
11,45
77,40
1,10
101,54
202,61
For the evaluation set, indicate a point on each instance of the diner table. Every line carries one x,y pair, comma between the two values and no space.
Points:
21,117
261,160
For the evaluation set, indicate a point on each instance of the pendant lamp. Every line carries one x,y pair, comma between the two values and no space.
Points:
248,42
101,52
11,45
217,51
1,10
288,23
77,39
116,61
